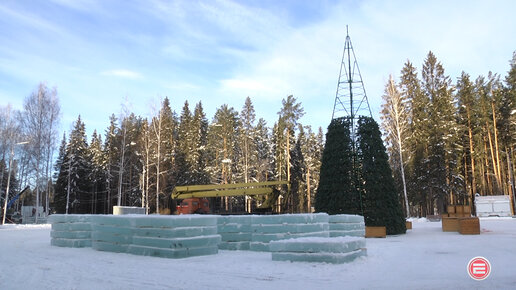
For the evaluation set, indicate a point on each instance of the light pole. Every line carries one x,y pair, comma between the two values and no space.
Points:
9,179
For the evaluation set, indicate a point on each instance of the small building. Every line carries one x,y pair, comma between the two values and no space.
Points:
29,214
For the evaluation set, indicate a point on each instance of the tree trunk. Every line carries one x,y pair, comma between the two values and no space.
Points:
403,172
499,172
472,157
511,179
489,187
491,149
308,195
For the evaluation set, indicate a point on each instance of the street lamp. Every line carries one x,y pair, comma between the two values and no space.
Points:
9,179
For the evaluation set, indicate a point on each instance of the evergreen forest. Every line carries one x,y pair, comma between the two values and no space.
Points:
447,141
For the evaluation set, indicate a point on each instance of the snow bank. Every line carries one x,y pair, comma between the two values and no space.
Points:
424,258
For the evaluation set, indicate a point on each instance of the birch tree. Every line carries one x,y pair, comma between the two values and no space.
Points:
395,118
41,113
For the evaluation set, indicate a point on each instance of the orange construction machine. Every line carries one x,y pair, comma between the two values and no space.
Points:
193,205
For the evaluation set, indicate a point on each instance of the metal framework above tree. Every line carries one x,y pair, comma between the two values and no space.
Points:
350,98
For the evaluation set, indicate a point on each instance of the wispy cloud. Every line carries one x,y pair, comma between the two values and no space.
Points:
220,51
122,73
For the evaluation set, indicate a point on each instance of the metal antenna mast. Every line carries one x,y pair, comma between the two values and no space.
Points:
350,99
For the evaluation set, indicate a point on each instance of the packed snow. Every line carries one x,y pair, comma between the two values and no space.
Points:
424,258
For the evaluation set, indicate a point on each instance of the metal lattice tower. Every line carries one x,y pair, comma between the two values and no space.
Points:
350,99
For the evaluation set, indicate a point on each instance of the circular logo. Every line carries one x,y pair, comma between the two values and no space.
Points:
479,268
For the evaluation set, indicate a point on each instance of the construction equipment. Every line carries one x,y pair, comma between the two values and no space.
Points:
193,205
195,196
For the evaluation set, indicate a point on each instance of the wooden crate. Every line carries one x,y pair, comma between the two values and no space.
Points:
375,232
451,209
450,224
408,225
467,209
469,226
459,209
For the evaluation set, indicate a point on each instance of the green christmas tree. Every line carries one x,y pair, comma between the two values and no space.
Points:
380,199
335,194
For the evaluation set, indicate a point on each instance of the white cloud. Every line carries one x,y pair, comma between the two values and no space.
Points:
122,73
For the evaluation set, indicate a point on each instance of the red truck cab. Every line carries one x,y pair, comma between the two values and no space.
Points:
193,205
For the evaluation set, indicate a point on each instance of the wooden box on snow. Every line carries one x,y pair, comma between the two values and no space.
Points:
408,225
375,232
450,224
469,226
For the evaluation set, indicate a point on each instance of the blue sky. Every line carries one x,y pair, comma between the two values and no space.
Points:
101,54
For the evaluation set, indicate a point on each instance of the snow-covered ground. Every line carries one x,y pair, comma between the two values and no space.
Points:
424,258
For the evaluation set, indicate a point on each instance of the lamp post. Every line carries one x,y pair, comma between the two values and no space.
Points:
9,179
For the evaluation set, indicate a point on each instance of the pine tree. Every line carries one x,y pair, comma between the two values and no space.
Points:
311,147
78,167
289,115
467,122
380,199
508,125
165,153
247,116
223,151
248,159
199,131
417,144
110,155
131,193
262,143
96,176
442,151
298,178
60,178
185,148
335,194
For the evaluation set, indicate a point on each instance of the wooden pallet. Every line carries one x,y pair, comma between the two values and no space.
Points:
469,226
408,225
456,215
450,224
375,232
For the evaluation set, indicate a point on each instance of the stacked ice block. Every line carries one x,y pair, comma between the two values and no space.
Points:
342,225
161,236
235,232
175,237
70,230
292,237
111,233
279,227
335,250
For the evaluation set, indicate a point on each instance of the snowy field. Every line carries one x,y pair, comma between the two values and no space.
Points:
424,258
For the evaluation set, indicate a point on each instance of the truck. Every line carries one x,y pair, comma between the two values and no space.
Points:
194,198
193,205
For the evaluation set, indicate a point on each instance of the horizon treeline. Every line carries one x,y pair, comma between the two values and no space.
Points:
138,161
448,141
